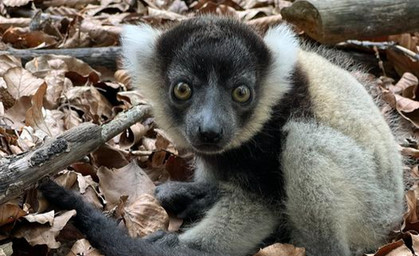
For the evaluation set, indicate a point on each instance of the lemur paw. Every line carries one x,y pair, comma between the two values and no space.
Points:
186,199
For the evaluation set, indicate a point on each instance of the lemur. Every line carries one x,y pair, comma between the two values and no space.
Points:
285,141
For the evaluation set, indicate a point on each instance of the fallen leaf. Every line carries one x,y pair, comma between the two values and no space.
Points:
34,115
406,86
131,97
165,15
281,249
129,180
37,234
110,157
72,65
23,38
133,135
21,82
6,23
84,248
397,248
6,249
41,218
69,3
88,99
10,212
145,216
266,22
15,3
7,62
17,113
71,118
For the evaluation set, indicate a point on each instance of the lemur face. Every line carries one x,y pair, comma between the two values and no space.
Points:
212,82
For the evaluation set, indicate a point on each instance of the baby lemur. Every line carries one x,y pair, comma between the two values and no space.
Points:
285,142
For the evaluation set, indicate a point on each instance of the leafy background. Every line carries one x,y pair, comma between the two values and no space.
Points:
44,96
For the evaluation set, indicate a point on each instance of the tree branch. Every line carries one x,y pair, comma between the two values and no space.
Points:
19,172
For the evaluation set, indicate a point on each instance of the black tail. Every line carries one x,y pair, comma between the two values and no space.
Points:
102,232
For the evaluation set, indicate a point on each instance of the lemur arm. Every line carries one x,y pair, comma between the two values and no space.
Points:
235,225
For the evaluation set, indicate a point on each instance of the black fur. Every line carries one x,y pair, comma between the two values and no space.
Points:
187,200
195,49
261,152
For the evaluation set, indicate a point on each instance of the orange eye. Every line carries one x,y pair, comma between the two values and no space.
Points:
241,94
182,91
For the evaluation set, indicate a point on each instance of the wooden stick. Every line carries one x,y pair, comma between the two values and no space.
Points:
95,56
20,172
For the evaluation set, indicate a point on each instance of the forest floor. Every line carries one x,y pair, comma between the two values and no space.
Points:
43,96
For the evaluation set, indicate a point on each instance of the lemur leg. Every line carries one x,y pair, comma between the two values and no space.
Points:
235,225
329,182
187,199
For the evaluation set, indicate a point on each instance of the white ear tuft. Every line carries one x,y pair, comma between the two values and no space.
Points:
282,42
138,46
284,47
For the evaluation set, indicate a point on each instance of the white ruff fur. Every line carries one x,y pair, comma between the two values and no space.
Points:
139,59
284,46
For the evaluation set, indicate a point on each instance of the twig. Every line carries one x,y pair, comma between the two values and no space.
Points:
20,172
95,56
384,46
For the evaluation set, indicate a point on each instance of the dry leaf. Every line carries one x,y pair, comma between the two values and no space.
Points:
37,234
17,113
406,86
266,22
34,115
131,97
69,3
281,249
101,34
62,11
10,212
133,135
165,15
71,118
110,157
7,62
41,218
45,62
174,224
20,82
15,3
23,38
84,248
6,23
410,218
145,216
6,249
88,99
397,248
122,76
129,180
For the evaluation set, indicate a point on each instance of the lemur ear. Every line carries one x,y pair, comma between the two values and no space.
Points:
138,46
284,45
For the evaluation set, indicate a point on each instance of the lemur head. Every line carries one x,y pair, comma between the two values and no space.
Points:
211,81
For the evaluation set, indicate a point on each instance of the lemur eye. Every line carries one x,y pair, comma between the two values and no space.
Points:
182,91
241,94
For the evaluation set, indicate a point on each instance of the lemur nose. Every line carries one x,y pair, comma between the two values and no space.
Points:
210,134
